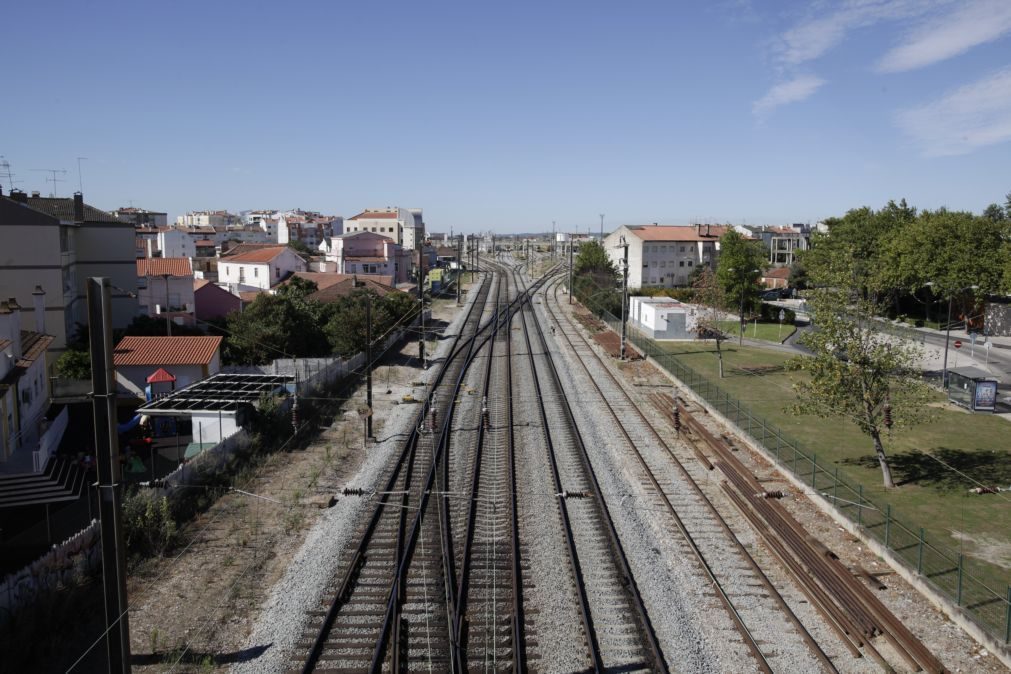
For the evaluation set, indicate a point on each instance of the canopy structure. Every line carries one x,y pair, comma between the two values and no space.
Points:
161,375
220,393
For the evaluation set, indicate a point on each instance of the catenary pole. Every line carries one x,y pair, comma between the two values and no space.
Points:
110,490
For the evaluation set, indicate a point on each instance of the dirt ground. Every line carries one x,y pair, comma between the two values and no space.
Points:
193,611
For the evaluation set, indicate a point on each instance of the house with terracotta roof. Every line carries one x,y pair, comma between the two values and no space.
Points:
664,255
24,386
776,277
337,291
58,243
165,289
367,253
259,269
404,225
211,301
188,359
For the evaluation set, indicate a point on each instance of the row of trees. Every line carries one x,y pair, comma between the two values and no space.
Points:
902,257
290,323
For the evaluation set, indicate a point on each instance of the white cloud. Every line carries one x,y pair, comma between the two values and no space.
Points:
963,120
815,36
969,25
795,90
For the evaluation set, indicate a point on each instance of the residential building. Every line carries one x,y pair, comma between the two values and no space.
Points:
24,384
337,291
259,269
664,255
141,217
367,253
405,226
176,243
663,317
207,219
324,280
188,359
211,301
165,289
782,243
775,278
58,243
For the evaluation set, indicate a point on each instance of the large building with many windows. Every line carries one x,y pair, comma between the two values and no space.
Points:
664,255
404,225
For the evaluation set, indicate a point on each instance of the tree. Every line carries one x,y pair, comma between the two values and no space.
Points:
346,329
301,248
994,213
856,371
709,293
285,325
74,364
741,264
595,279
799,278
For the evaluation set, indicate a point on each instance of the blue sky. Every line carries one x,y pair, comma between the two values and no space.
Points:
512,115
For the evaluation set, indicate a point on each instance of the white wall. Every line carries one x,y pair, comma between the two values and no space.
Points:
211,427
176,243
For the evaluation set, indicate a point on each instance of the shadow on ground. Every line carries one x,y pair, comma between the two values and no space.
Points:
197,658
982,466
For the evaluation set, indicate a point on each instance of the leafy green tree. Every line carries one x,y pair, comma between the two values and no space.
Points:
799,277
346,329
301,248
284,325
711,296
856,371
995,213
74,364
741,263
595,279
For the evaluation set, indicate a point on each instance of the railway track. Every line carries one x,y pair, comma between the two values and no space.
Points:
616,628
743,590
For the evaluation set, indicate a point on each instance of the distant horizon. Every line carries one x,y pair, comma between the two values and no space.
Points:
510,116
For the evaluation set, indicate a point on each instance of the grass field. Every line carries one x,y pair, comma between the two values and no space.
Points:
769,332
930,494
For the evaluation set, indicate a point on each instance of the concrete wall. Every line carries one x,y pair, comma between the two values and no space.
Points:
105,249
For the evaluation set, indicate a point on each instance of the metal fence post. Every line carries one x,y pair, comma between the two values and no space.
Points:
888,523
919,556
814,470
958,590
1007,616
860,506
835,488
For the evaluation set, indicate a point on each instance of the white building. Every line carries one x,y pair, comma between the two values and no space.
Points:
259,269
207,219
663,317
24,386
404,225
664,255
165,289
176,243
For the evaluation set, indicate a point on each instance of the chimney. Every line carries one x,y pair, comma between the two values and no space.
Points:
36,194
19,196
707,229
13,304
78,207
39,298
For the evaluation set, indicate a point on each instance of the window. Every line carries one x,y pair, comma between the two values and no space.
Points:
682,249
277,272
681,263
142,282
256,272
663,263
689,263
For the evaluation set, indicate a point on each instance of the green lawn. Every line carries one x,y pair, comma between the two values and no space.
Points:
769,332
930,495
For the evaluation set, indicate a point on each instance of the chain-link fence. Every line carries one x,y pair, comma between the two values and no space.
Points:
954,575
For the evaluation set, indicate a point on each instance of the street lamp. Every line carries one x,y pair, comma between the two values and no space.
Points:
741,317
624,291
947,332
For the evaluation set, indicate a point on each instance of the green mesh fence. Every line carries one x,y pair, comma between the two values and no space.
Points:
950,572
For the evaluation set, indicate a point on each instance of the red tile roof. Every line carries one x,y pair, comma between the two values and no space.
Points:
324,280
261,255
165,350
375,215
164,266
344,288
778,272
679,232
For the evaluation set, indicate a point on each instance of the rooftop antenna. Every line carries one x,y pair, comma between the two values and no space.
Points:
5,169
53,179
80,179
